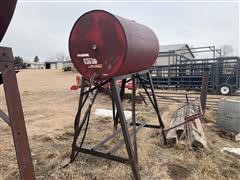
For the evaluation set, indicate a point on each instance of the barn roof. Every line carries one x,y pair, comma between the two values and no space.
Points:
175,48
54,62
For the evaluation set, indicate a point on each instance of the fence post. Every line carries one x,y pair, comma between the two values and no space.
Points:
204,90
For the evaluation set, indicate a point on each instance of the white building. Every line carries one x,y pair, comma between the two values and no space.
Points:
36,65
58,64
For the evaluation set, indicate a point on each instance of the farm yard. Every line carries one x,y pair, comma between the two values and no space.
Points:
108,122
50,106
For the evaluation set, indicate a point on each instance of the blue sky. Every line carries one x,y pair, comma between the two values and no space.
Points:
43,28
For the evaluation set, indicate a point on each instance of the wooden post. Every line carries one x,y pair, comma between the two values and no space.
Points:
204,90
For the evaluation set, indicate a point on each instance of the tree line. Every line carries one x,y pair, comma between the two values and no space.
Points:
21,63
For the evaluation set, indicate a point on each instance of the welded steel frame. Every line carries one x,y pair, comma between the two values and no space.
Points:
129,138
212,50
15,117
187,74
179,73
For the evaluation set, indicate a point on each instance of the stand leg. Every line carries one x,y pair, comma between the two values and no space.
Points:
77,120
16,114
125,131
114,114
80,125
134,117
122,92
156,106
145,89
155,100
76,123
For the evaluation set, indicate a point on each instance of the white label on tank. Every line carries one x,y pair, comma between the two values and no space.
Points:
94,61
89,61
83,55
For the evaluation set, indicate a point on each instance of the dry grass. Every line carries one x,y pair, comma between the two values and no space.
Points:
50,108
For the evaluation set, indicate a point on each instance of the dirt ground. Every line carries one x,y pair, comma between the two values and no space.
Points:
49,108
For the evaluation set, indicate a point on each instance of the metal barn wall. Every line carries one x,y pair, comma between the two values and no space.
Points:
165,52
53,66
164,58
59,65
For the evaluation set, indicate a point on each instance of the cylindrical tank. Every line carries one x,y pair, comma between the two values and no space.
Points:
229,115
104,45
7,8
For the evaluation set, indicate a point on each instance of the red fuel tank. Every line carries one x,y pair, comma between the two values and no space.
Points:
104,45
7,8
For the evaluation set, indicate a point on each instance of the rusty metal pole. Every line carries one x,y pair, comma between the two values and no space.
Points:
204,90
125,132
186,95
16,116
134,117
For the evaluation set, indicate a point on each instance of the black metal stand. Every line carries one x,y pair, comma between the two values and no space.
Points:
129,137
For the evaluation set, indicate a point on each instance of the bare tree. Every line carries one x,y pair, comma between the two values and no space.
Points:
58,57
51,58
62,57
226,50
